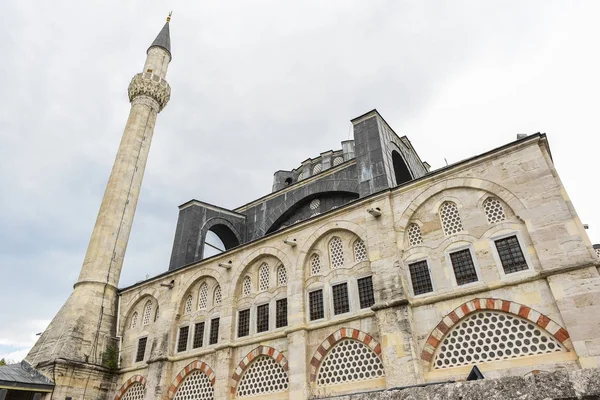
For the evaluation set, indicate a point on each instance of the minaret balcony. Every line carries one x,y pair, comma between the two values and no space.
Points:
151,85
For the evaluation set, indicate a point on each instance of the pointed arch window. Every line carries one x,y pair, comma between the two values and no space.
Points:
156,315
315,265
217,296
134,318
450,217
414,235
281,276
336,252
263,277
494,210
203,296
147,313
188,304
247,286
360,251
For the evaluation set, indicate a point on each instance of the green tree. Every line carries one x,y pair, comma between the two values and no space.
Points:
3,362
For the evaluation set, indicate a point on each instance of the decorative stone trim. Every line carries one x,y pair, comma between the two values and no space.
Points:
333,339
128,383
152,86
259,351
188,369
480,304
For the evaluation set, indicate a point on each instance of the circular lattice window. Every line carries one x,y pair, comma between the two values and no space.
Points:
196,386
349,361
493,210
491,336
137,391
450,218
414,235
263,376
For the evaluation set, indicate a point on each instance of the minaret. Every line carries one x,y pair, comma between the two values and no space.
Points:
85,326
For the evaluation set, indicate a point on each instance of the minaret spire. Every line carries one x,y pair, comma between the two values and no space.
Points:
163,40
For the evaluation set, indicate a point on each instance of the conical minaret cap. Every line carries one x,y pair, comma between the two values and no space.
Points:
163,40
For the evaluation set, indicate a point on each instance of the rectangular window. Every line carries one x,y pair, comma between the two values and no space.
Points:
419,276
464,269
281,313
365,292
244,323
214,331
315,300
183,338
262,318
511,255
141,350
198,335
341,303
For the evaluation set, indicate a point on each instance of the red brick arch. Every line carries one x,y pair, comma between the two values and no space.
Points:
188,369
505,306
128,383
259,351
333,339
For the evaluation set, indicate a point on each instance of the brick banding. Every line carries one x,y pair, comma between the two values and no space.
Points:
188,369
128,383
259,351
462,311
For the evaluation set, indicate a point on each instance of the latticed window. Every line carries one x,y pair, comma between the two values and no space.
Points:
198,335
490,336
244,323
317,168
281,313
147,313
336,252
494,210
263,277
262,376
337,161
365,292
141,349
262,318
414,235
247,286
184,332
203,296
157,314
137,391
511,255
420,278
281,276
315,305
598,251
341,302
360,251
315,265
349,361
195,386
214,331
464,269
450,218
315,204
301,176
134,320
188,304
217,297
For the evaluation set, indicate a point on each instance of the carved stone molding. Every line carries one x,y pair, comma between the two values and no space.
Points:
147,84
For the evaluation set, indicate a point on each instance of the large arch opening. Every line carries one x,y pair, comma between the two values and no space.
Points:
401,171
217,239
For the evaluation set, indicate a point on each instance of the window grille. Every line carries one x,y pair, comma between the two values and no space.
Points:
420,278
337,161
198,335
494,210
464,269
301,176
147,313
247,286
317,168
281,313
263,277
316,203
141,349
340,298
511,256
262,318
281,276
315,265
244,323
195,386
360,251
214,331
188,304
414,235
217,296
336,252
598,252
137,391
365,292
157,313
450,218
315,300
183,338
491,336
263,376
349,361
134,320
203,296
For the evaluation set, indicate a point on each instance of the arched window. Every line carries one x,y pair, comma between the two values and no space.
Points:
336,252
400,169
147,313
246,286
203,296
263,277
360,251
263,376
281,276
217,296
156,315
189,304
137,391
314,205
317,168
349,361
450,218
494,210
414,235
134,320
196,386
315,265
337,161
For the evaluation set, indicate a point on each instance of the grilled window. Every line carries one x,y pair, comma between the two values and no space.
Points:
419,276
262,318
147,313
511,256
134,320
464,269
365,292
247,286
336,252
281,313
244,323
340,298
198,335
183,338
214,331
263,277
281,276
315,300
203,297
141,350
217,296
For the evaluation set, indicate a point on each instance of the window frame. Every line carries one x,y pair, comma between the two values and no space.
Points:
428,261
287,312
355,292
211,319
323,290
187,340
456,249
237,331
193,336
137,347
255,319
351,306
498,260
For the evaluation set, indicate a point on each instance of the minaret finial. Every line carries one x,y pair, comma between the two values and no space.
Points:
169,17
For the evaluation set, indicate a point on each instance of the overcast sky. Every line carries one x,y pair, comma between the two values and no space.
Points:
257,87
